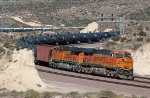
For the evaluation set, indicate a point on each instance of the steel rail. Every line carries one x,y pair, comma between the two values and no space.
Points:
87,78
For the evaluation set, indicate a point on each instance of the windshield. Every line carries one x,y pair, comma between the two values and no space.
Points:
128,55
119,55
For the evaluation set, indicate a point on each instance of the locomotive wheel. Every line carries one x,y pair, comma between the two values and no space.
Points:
82,70
90,71
107,74
86,71
35,62
112,74
73,69
53,65
79,70
50,65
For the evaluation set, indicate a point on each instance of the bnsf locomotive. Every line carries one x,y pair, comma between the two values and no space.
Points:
118,64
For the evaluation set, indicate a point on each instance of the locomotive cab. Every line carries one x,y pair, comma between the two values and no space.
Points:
124,64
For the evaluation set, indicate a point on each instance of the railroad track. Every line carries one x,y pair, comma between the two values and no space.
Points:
146,78
133,83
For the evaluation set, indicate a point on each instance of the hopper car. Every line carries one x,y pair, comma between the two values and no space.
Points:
110,63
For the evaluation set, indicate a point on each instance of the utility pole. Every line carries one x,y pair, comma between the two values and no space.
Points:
5,14
113,18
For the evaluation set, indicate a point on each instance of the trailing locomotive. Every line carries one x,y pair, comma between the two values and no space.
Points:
118,64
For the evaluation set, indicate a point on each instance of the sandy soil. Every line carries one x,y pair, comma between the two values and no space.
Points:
92,27
28,23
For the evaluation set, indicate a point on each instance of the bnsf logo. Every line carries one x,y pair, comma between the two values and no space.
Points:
99,58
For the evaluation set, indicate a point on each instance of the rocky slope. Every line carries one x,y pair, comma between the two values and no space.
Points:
19,73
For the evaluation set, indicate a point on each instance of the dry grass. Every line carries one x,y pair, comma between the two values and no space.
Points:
46,94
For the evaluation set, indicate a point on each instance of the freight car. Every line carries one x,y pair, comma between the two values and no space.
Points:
111,63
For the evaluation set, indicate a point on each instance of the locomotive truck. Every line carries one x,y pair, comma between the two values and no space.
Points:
110,63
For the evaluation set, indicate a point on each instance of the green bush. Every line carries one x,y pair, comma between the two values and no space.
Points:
136,46
142,33
108,94
31,94
116,38
129,40
19,47
92,95
133,96
73,95
139,39
3,89
143,97
2,49
13,94
123,39
7,45
128,31
148,40
46,94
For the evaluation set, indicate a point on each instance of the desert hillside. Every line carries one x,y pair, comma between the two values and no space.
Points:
79,12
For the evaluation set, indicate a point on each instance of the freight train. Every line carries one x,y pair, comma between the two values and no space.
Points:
110,63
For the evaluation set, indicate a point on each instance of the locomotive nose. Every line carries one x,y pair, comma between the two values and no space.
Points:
128,63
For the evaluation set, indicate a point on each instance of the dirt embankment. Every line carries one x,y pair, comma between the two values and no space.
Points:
19,72
141,59
91,27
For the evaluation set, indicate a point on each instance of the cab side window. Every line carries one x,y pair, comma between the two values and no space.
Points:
112,55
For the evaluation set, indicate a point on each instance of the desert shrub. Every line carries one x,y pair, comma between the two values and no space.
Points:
4,94
127,31
19,47
123,39
129,40
3,89
2,49
14,93
148,40
143,97
142,33
112,43
73,95
108,94
7,45
136,46
31,94
46,94
139,39
116,38
133,96
92,95
140,28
